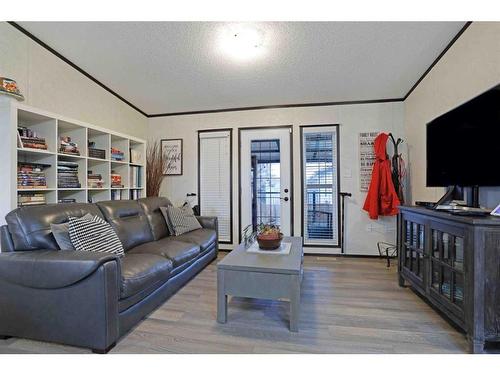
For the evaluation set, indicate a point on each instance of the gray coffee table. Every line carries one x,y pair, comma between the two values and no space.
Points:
267,276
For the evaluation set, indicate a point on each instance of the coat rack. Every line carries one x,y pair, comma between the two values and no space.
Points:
397,167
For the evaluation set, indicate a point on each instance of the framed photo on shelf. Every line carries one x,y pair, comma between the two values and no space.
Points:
172,150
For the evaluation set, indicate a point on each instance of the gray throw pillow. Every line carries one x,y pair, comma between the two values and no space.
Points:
167,220
182,219
61,234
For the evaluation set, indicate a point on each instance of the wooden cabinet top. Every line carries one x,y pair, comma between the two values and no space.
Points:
470,220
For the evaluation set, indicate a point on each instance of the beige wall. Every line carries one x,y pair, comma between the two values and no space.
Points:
362,233
50,84
471,66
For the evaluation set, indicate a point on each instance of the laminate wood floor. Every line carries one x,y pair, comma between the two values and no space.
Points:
349,305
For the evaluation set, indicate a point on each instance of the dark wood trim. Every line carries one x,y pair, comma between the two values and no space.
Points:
302,185
73,65
450,44
182,154
295,105
230,242
291,171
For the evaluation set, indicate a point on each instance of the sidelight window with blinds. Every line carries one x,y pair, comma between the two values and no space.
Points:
215,179
320,185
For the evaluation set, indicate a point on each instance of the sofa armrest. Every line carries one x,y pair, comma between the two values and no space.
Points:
209,222
49,269
6,243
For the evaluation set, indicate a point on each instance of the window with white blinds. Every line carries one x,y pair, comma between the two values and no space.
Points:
215,179
320,185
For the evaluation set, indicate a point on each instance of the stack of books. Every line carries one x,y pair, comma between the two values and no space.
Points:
66,200
116,154
135,194
30,199
135,177
95,152
29,139
67,175
66,146
116,180
95,181
31,176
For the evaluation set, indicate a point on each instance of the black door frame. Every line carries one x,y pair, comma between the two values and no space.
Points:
291,171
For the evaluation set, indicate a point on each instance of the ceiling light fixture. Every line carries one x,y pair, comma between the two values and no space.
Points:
242,42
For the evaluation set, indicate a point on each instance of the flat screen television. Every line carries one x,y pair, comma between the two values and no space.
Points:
463,145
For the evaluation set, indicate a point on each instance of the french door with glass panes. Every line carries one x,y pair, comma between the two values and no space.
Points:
265,178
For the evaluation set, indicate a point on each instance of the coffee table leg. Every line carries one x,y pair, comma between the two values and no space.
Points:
221,298
295,304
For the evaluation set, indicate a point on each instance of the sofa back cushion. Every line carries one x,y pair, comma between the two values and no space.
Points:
128,220
151,207
29,226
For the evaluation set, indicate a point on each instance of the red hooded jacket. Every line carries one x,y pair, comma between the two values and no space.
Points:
382,198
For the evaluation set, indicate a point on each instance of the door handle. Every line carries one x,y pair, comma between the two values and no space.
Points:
285,199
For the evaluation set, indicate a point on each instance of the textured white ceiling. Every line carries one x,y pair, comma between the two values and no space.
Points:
164,67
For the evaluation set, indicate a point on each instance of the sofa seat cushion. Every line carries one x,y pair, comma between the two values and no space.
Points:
202,237
140,271
177,251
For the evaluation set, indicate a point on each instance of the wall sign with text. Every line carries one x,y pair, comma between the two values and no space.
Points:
366,158
172,150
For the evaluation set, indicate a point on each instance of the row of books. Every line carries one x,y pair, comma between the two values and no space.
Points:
31,176
30,139
30,199
67,175
94,180
135,194
116,154
135,176
67,146
95,152
117,195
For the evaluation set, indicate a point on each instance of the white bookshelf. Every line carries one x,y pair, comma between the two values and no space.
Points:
51,127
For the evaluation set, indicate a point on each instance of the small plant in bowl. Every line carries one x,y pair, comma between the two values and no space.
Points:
269,236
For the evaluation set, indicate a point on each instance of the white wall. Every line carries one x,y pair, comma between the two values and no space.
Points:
362,233
50,84
470,67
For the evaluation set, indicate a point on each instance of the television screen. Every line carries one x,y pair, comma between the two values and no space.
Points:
463,145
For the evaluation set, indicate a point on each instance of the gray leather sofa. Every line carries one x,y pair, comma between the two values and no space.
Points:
92,299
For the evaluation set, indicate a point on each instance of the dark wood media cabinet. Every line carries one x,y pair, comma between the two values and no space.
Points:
454,262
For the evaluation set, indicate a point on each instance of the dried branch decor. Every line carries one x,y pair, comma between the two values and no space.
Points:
155,165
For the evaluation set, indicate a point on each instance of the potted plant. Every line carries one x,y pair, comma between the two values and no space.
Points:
269,236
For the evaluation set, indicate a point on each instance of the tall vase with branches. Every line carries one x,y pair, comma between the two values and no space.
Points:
156,163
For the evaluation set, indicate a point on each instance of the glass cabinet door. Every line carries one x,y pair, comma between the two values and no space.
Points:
447,266
413,247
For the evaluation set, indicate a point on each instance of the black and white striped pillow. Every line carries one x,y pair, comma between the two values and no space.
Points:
182,219
94,235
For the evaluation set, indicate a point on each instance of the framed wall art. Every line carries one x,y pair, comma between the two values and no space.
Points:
172,150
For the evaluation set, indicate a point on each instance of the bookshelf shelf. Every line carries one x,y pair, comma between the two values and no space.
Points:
57,133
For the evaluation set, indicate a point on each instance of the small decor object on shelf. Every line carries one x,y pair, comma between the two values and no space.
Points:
66,146
9,87
30,139
117,155
155,166
269,237
172,150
